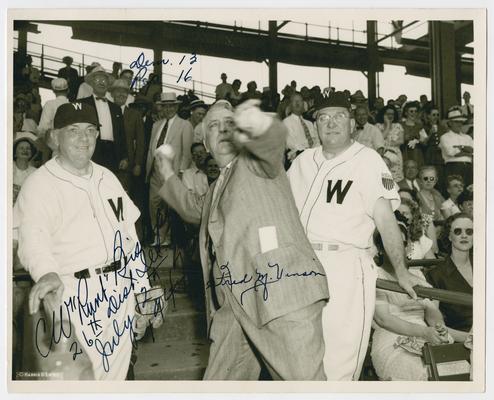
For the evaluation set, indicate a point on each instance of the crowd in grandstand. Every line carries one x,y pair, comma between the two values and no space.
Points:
429,157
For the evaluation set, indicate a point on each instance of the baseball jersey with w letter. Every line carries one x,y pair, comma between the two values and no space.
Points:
336,197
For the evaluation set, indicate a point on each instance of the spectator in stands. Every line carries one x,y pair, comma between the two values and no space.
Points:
173,130
457,148
412,147
224,89
197,112
126,75
387,122
72,77
301,133
85,90
467,108
418,245
212,169
152,88
430,135
430,200
22,108
252,92
456,273
410,170
465,203
116,68
285,102
111,145
134,136
35,109
234,96
60,88
31,73
376,107
408,194
24,151
194,178
401,321
366,133
358,99
454,187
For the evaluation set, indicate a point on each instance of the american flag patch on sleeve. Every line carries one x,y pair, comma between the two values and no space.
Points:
387,181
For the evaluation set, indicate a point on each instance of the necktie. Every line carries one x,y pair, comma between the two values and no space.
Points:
306,131
219,184
161,139
101,99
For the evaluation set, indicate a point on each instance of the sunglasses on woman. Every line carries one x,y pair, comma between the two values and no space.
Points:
428,178
468,231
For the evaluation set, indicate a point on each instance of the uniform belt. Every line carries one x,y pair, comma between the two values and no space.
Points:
85,273
328,246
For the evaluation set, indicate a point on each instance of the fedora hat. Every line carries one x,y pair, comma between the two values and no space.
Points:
59,84
167,98
197,104
455,114
97,70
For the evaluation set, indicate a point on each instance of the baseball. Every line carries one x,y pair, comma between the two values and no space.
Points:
166,150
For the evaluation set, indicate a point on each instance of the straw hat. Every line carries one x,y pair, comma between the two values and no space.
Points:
167,98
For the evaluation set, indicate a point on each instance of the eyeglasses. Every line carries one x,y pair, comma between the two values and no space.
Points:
458,231
411,111
337,118
428,178
435,115
76,133
229,123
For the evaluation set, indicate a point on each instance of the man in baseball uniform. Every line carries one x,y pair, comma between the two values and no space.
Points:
77,238
343,191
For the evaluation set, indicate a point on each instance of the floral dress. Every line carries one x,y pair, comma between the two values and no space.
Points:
393,138
391,361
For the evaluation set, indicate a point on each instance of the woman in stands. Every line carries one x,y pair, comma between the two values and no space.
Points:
403,325
456,272
387,122
430,200
24,152
412,145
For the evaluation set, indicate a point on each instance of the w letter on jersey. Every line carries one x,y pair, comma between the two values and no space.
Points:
340,194
118,209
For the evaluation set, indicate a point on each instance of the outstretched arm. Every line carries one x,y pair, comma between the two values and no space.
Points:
263,136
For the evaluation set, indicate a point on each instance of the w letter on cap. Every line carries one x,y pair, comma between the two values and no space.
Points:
77,106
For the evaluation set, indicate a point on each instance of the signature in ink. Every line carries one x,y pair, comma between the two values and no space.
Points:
259,281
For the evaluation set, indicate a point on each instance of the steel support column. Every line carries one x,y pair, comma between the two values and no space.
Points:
445,81
273,59
372,62
158,66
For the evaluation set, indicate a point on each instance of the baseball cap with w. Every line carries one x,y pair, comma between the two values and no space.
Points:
73,113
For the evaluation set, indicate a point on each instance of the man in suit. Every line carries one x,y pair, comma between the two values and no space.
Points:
410,170
111,148
178,133
134,133
265,288
71,76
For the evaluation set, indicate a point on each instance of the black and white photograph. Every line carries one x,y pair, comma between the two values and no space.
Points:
246,196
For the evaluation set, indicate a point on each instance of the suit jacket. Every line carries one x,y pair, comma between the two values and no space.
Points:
117,120
404,185
180,136
446,276
255,194
134,135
